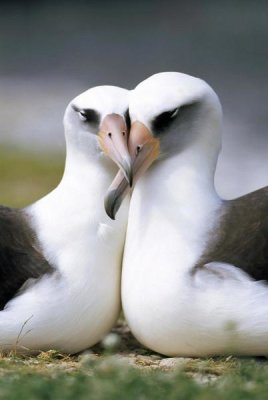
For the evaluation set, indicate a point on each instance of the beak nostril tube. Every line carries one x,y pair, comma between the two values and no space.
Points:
123,133
138,150
109,134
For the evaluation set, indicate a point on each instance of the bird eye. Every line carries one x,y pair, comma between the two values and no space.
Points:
169,114
89,115
174,112
163,120
83,115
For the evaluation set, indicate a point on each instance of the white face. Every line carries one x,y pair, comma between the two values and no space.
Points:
86,111
96,122
176,109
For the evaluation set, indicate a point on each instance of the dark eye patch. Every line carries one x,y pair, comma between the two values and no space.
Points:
89,115
164,120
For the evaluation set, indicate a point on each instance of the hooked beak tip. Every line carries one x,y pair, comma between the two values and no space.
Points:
111,204
116,194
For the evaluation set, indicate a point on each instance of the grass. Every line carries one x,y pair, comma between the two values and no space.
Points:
110,377
131,372
26,177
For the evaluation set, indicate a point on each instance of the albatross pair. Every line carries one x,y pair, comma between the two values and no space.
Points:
188,275
194,265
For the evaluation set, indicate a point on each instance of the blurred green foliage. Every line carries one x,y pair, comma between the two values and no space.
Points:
25,177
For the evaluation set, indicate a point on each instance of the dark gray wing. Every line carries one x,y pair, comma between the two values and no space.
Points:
20,257
241,237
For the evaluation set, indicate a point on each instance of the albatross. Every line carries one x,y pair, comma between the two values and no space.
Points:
60,258
195,268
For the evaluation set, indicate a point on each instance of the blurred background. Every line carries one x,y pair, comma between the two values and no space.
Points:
52,51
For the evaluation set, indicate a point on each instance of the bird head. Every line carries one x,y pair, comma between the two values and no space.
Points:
97,122
171,113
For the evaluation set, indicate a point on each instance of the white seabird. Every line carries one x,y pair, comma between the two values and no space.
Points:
195,266
60,258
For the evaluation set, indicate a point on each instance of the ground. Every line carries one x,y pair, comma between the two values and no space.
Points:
119,367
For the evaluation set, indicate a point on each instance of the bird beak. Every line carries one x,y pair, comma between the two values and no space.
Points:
115,195
143,147
113,140
144,150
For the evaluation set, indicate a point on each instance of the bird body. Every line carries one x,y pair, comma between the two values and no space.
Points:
190,258
175,304
73,304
